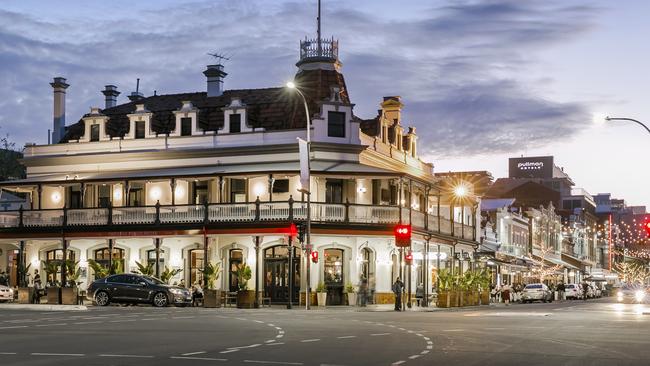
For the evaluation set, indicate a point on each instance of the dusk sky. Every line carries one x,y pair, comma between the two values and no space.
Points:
481,80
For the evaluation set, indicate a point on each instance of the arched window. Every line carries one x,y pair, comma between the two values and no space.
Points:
103,257
56,256
235,258
151,259
196,263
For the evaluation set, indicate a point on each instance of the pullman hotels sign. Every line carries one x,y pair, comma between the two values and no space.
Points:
531,167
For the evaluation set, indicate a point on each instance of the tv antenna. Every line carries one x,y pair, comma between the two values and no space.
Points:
220,57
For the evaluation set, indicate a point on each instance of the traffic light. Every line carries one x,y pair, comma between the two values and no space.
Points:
403,235
314,256
408,258
293,230
301,232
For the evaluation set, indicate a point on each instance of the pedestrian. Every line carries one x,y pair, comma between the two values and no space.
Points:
38,286
197,294
419,294
182,283
505,294
585,290
398,287
560,290
363,293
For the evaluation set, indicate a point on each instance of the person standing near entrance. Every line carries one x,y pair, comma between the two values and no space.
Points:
398,288
585,290
560,291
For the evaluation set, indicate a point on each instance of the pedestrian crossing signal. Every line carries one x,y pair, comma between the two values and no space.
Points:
403,235
314,256
408,258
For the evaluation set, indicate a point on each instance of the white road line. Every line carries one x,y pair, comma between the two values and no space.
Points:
193,353
279,336
14,327
275,344
274,362
125,356
81,323
426,338
8,353
197,358
258,321
414,357
429,346
122,321
453,330
281,331
424,352
270,341
397,363
345,337
182,317
229,351
242,347
379,334
310,340
494,328
57,354
52,325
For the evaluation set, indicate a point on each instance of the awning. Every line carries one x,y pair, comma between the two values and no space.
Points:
317,167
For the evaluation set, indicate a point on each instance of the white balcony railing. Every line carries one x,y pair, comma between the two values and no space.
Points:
134,215
43,218
87,217
182,214
233,212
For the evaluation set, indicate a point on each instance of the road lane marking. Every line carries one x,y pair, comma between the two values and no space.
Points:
274,362
275,344
270,341
193,353
125,356
82,323
310,340
182,317
229,351
242,347
14,327
122,321
346,337
414,357
397,363
424,352
57,354
52,325
197,358
8,353
379,334
453,330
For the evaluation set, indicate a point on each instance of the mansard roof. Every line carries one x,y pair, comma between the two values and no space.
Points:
267,108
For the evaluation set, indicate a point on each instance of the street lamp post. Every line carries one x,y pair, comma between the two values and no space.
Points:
293,86
627,119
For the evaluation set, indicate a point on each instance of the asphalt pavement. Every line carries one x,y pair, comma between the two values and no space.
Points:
597,332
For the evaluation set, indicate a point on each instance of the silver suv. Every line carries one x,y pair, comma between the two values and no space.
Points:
536,292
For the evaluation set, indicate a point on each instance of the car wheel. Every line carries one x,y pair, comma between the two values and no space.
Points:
102,298
160,300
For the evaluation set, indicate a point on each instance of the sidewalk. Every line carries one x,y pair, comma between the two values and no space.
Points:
42,307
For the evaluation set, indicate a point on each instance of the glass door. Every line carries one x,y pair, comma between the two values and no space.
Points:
333,267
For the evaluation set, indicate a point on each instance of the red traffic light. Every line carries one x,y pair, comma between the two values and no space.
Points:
646,226
314,256
403,235
293,230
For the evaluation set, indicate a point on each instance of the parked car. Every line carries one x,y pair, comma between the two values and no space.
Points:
536,292
632,294
134,288
573,291
6,293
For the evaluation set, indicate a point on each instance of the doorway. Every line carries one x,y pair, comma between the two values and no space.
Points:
276,274
333,267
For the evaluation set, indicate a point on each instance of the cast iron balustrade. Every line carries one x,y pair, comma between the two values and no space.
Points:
214,213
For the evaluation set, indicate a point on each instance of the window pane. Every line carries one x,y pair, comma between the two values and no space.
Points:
336,124
94,133
235,123
139,129
281,186
186,127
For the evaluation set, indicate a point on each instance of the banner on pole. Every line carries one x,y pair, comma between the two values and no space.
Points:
303,149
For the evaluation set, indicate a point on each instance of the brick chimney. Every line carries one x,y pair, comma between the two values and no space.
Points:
111,94
59,85
215,75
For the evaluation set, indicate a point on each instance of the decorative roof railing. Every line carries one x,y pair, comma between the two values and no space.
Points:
315,48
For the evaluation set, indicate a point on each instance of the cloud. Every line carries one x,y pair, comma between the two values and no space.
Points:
458,66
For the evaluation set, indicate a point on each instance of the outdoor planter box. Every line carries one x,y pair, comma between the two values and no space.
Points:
53,295
352,298
447,299
69,296
245,299
25,295
211,298
322,298
485,298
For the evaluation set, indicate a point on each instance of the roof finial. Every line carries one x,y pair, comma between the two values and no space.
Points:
320,46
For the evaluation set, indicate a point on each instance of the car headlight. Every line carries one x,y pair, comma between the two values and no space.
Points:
176,291
639,295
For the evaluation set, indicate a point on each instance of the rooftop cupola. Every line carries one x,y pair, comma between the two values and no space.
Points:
136,95
111,94
319,53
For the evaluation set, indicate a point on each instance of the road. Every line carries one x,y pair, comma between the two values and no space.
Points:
569,333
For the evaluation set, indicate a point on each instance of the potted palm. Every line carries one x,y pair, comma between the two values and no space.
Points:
167,275
69,291
25,293
484,286
446,296
145,269
211,296
53,289
321,294
245,297
352,295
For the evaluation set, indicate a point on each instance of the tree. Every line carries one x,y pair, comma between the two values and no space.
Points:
541,268
632,272
10,167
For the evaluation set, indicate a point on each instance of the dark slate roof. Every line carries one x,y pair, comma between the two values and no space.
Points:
371,126
269,108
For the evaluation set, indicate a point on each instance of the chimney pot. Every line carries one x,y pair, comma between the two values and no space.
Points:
215,75
111,94
59,86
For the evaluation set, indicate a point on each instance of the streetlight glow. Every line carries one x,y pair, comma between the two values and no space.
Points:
460,191
291,85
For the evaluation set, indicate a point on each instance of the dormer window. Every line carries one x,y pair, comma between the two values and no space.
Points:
140,128
336,124
235,123
94,133
186,126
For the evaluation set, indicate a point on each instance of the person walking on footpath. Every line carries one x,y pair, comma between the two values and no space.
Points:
560,291
37,287
585,290
398,288
505,294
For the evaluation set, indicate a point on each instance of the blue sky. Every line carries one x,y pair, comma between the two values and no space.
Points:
482,80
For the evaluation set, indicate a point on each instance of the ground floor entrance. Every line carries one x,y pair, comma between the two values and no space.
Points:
276,274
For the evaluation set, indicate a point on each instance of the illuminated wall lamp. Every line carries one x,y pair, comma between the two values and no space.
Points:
362,190
56,197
